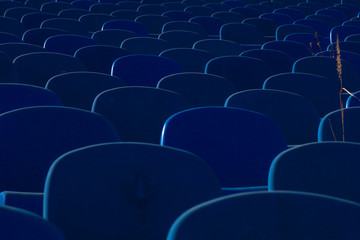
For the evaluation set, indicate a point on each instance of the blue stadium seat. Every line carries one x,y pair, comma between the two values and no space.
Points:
67,43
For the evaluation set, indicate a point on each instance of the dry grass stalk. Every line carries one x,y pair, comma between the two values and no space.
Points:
339,71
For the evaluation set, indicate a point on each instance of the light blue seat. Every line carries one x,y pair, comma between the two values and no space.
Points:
328,168
79,89
238,144
147,70
199,88
37,68
154,185
269,215
296,117
139,113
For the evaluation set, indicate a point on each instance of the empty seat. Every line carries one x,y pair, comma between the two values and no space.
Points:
211,25
185,26
314,42
147,70
37,68
243,72
128,25
238,144
295,49
283,30
79,89
181,38
154,185
242,33
199,88
229,17
55,7
32,138
125,14
353,100
9,38
15,49
139,113
266,25
219,47
34,19
100,58
67,43
145,45
341,32
105,8
153,22
12,26
112,37
8,72
73,13
18,12
152,9
177,15
37,36
71,26
95,21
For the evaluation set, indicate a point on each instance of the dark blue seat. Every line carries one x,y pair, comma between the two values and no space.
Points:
67,43
5,5
79,89
189,59
129,5
152,9
100,58
296,117
112,37
321,27
37,36
37,68
211,25
9,38
104,8
342,32
19,224
199,88
83,4
295,14
16,49
295,49
325,100
243,72
280,62
147,70
220,48
70,26
14,96
55,7
34,19
280,18
242,33
198,10
154,185
174,5
12,26
314,42
125,14
353,100
145,45
8,72
29,201
247,12
32,138
345,46
95,21
297,169
217,7
178,15
185,26
238,144
338,14
73,13
353,58
229,17
330,20
18,12
340,125
139,113
283,30
273,215
128,25
153,22
266,25
181,38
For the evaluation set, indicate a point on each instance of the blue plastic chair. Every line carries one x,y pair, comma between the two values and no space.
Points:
79,89
320,91
199,88
35,3
234,3
34,19
334,127
14,96
328,168
145,45
67,43
152,9
341,32
345,46
243,72
12,26
174,5
37,36
198,10
154,185
181,38
338,14
147,70
217,6
18,12
353,100
29,201
295,49
104,8
211,25
5,5
247,12
229,17
95,21
8,38
129,5
238,144
280,62
283,30
55,7
295,14
37,68
314,42
296,117
71,26
153,22
178,15
83,4
100,58
189,59
327,67
185,26
8,72
266,25
32,138
128,25
353,58
15,49
220,48
353,38
139,112
242,33
330,20
125,14
320,26
280,18
112,37
269,215
18,224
